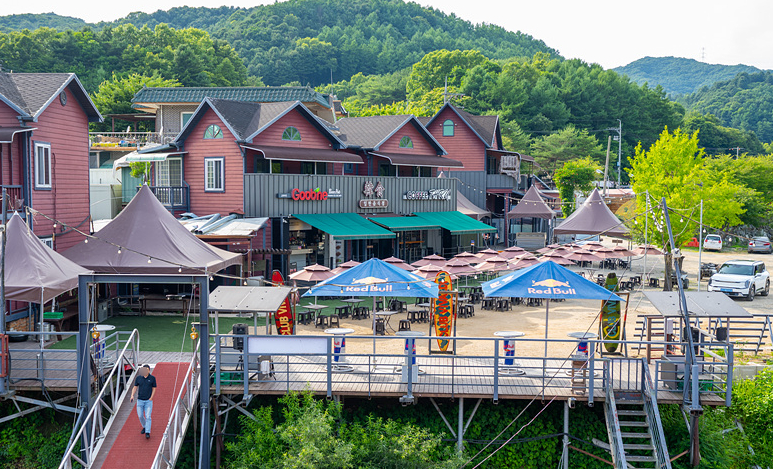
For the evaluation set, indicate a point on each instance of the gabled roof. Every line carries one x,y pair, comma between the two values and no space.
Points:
255,94
29,94
247,120
370,132
485,127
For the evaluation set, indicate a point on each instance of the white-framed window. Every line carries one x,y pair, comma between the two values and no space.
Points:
214,174
184,118
48,241
42,165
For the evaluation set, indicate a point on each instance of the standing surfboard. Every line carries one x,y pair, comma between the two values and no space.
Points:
611,327
283,317
443,310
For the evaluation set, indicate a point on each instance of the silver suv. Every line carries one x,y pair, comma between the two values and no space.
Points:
742,278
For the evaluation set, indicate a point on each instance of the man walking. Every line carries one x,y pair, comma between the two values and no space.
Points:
144,390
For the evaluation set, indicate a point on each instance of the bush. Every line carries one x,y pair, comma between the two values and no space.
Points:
753,406
34,441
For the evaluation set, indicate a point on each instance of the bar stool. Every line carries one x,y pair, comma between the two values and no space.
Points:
342,311
379,305
413,316
424,315
334,321
380,330
322,321
404,325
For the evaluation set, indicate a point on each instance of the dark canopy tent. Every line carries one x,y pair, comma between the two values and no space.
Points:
34,272
152,241
532,206
593,218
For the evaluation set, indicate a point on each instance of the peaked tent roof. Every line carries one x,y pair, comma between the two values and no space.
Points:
531,206
593,218
32,269
468,208
256,94
29,94
146,227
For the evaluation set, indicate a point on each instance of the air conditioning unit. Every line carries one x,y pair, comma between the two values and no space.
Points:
103,310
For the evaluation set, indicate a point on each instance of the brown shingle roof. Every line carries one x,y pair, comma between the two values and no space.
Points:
30,93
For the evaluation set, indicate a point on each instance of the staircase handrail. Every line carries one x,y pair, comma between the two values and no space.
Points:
650,397
94,419
613,423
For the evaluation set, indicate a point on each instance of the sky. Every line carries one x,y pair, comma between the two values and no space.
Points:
611,33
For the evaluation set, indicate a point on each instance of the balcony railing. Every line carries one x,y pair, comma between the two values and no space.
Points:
14,200
174,198
510,163
126,141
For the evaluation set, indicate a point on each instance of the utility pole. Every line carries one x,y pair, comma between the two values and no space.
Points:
3,381
700,248
447,97
606,166
619,130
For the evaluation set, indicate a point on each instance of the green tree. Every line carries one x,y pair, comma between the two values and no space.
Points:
433,69
575,176
570,143
674,168
114,96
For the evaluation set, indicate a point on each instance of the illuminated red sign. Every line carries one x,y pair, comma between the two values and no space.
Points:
317,194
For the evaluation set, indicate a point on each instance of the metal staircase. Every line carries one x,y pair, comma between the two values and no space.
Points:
636,439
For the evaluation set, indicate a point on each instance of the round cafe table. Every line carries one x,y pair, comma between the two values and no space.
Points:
410,355
582,342
339,348
510,367
103,330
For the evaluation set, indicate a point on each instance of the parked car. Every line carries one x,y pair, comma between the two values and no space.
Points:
760,244
712,242
743,278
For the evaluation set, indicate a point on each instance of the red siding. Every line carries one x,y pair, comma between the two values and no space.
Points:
464,146
202,202
66,129
10,153
421,145
310,136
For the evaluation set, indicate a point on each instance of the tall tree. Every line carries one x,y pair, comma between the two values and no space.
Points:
552,151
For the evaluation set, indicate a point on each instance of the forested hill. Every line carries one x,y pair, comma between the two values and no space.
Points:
34,21
678,75
304,40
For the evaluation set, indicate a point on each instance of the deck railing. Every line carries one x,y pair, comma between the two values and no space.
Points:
15,200
174,198
616,448
94,426
184,407
126,140
650,397
300,362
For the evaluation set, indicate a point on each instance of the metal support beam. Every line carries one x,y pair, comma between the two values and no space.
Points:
450,428
83,367
40,406
460,427
565,453
204,374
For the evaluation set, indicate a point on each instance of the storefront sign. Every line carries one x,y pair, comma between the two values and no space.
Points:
432,194
374,203
315,194
370,190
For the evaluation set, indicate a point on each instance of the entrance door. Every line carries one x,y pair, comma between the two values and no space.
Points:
169,181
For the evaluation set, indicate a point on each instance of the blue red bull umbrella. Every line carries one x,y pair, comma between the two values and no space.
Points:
546,280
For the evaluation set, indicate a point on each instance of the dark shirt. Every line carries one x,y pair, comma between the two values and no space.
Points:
145,386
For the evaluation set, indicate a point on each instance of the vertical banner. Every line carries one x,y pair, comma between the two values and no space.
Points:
611,326
284,315
443,310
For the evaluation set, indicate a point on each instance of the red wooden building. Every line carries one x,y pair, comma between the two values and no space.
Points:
44,151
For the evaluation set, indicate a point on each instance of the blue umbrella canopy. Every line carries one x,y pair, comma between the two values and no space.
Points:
547,280
375,278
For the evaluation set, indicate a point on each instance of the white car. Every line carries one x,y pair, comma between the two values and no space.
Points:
712,242
741,278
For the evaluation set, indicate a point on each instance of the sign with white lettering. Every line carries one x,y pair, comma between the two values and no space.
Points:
374,203
432,194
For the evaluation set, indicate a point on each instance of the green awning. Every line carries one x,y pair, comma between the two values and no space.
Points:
405,223
455,222
345,225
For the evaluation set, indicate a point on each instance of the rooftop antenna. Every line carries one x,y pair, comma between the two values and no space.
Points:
449,96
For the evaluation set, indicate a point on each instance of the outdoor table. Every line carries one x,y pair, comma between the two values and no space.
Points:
351,303
339,348
580,362
410,354
316,309
387,315
510,366
102,329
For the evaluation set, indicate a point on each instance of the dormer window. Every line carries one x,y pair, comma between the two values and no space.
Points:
406,142
291,134
213,131
448,128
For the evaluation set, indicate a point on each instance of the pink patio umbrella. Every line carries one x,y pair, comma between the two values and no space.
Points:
582,255
605,253
557,258
593,245
493,264
621,251
649,249
523,261
486,254
346,265
312,273
432,259
399,263
547,248
468,257
511,252
430,271
459,267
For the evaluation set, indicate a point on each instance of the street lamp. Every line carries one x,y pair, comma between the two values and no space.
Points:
619,138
